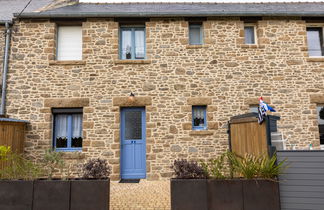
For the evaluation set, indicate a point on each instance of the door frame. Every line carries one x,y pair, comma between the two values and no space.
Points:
122,127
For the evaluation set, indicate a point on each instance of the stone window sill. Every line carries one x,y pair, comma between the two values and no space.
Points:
201,133
72,62
249,46
315,59
196,46
132,61
73,155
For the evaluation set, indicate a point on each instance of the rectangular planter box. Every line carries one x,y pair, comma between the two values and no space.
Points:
90,194
16,195
51,195
261,194
224,194
188,194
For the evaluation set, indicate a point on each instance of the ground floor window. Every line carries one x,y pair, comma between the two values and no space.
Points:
67,129
320,114
199,118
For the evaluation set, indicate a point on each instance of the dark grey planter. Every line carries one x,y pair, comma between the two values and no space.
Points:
224,194
16,195
90,194
51,195
188,194
261,194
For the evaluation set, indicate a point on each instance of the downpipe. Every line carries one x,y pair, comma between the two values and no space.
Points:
5,69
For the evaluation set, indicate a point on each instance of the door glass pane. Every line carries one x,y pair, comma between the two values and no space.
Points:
61,130
249,35
133,125
126,48
194,34
139,44
314,41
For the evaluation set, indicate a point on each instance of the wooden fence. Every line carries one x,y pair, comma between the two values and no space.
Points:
302,182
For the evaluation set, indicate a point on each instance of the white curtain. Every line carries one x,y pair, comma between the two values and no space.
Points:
76,125
61,126
139,43
126,44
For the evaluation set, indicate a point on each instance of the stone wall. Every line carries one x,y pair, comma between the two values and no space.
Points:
223,74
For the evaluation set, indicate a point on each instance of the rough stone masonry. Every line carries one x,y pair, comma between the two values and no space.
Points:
224,74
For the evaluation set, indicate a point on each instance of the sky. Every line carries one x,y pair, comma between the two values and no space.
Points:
228,1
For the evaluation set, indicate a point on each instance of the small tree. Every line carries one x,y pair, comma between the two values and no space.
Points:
53,160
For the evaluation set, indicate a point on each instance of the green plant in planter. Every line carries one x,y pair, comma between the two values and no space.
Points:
215,168
53,160
251,166
96,169
18,167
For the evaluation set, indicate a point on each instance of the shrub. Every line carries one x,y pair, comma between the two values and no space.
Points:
4,151
184,169
53,160
96,169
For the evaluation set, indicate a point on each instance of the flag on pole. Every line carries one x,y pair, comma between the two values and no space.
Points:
262,110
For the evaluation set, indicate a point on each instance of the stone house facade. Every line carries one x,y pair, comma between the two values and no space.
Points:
224,75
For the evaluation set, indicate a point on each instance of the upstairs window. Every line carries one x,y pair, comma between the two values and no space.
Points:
67,129
320,117
199,119
195,34
315,41
132,43
249,34
69,43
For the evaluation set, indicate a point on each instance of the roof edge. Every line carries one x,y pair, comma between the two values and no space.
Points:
33,15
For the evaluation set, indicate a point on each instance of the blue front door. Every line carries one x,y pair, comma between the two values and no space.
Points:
133,143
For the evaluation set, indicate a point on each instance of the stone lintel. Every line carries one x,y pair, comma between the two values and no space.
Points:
317,98
199,101
66,102
138,101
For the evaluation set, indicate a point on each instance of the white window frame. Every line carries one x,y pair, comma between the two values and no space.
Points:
60,57
254,31
315,25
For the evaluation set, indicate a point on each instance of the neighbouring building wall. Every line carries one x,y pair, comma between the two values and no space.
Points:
223,74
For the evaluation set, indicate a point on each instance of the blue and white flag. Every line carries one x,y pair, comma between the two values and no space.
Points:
262,110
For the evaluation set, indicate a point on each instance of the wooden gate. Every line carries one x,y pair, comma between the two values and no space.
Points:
12,133
247,136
